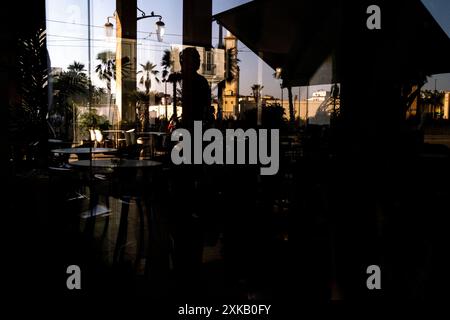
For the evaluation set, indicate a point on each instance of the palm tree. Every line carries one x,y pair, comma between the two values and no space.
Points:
148,70
97,94
106,68
142,101
71,88
77,67
277,75
291,104
256,89
175,78
167,64
73,83
432,101
32,109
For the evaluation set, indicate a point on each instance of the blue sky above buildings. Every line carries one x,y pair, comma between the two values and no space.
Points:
440,9
67,38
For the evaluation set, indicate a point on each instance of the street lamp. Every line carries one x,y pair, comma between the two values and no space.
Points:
109,27
160,29
160,25
278,73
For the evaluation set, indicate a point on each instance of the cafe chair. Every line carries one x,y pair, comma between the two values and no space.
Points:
145,143
96,137
99,186
132,149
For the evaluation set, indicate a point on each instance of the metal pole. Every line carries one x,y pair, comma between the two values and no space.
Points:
299,106
89,60
165,96
89,53
260,81
307,105
282,103
91,191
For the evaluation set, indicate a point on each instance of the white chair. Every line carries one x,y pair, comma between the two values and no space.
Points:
98,136
92,134
130,137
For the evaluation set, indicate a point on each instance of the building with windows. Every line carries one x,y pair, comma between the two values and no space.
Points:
316,109
212,63
447,105
230,94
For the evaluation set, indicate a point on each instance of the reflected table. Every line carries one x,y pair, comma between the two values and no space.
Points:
78,151
117,163
84,152
156,133
125,196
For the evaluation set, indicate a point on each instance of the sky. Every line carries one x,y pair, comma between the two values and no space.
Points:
440,9
67,39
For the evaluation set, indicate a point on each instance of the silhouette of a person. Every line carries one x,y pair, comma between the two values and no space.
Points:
196,98
189,208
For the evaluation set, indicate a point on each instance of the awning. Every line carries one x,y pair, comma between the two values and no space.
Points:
304,37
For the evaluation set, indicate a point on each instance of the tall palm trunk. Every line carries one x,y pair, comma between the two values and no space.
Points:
165,97
108,88
291,105
174,98
146,123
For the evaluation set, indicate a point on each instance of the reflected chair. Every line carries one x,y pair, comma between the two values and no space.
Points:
67,196
130,186
146,147
130,137
161,148
96,137
99,137
92,135
113,138
132,149
99,184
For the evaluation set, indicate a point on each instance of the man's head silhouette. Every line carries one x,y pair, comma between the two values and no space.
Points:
190,59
